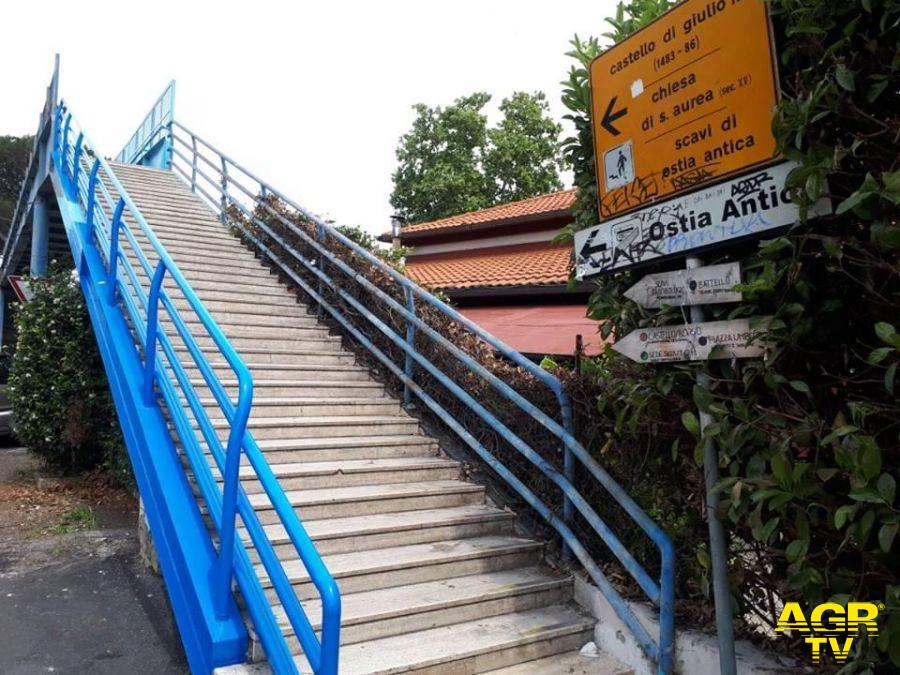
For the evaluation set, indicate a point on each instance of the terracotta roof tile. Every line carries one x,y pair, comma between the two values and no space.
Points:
555,201
521,265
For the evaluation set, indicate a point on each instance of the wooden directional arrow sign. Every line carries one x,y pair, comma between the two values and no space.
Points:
695,341
701,286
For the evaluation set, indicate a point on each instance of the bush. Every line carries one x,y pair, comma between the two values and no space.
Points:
62,408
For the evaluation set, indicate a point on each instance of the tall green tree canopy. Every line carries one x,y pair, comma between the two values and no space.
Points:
13,162
451,162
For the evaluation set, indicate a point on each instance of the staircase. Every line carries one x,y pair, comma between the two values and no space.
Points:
434,578
303,521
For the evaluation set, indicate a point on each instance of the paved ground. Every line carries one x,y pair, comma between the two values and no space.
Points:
74,595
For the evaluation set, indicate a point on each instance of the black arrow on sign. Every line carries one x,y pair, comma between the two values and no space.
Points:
588,249
609,116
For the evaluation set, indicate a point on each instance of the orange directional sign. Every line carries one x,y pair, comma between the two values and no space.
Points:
683,102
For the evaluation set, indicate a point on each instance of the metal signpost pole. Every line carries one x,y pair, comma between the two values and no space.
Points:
718,549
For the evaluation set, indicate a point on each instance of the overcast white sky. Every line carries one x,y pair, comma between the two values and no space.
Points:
310,96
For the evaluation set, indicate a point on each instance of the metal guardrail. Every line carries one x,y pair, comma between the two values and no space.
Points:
230,185
112,223
151,143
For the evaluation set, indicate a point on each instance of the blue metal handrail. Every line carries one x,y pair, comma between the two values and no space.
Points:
233,186
151,143
90,181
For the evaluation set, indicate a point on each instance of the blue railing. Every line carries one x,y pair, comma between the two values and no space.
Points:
151,143
115,230
232,186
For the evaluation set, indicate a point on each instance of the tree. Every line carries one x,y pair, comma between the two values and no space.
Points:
440,158
14,152
450,162
523,156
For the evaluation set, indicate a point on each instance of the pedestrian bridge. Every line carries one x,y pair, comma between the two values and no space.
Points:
303,519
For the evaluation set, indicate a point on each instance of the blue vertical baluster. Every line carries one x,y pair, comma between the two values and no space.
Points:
114,251
152,329
568,466
193,163
76,160
65,142
411,341
223,201
320,237
230,489
92,198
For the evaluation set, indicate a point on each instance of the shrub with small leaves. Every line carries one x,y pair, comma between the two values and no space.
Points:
62,408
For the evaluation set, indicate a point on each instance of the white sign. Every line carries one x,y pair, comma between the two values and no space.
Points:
21,287
695,341
700,286
618,165
736,209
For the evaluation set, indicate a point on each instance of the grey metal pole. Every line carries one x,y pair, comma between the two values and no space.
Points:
718,548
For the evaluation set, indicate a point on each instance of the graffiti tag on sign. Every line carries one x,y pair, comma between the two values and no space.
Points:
737,209
691,94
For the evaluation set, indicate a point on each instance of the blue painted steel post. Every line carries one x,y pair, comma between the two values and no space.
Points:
152,330
223,200
40,237
114,251
411,341
193,163
568,466
718,544
320,237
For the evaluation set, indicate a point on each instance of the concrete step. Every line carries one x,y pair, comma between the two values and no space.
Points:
350,473
267,428
229,273
238,330
413,564
297,321
313,405
326,344
264,372
350,501
331,448
210,288
375,614
272,388
259,355
471,647
398,528
571,663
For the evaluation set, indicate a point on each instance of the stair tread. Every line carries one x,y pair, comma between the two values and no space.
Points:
405,557
300,444
297,469
320,420
571,663
438,646
363,493
330,528
385,603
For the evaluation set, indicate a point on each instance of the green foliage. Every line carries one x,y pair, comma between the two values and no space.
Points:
451,162
14,151
808,436
62,409
523,156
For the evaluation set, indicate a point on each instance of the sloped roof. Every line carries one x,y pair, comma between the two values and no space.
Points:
555,202
521,265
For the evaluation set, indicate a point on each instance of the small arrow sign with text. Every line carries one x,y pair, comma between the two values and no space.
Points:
680,288
733,339
611,115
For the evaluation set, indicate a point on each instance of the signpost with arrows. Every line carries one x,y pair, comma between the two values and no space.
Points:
686,162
